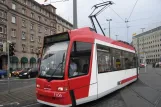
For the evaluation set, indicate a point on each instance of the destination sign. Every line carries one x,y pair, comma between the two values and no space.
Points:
56,38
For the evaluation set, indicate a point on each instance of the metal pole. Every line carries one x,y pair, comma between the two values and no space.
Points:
116,36
8,67
138,51
126,21
144,50
75,14
109,29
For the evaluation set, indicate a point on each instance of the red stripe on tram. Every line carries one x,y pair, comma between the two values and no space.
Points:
128,79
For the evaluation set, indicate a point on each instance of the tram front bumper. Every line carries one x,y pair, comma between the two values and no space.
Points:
53,98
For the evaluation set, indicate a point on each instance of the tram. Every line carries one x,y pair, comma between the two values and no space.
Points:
80,66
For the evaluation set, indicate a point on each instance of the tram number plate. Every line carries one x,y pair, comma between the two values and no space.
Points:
58,95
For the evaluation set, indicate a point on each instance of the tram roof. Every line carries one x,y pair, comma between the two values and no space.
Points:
88,33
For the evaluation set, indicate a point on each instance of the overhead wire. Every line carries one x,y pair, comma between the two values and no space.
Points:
135,25
58,1
132,10
117,14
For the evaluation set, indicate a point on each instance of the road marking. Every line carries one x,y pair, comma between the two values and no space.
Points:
10,104
3,83
31,105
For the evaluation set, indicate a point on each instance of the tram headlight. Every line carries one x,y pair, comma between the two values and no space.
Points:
62,88
38,86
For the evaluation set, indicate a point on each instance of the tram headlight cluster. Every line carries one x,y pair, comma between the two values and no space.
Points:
62,88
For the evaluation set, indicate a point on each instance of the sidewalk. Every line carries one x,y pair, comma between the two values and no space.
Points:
146,92
18,97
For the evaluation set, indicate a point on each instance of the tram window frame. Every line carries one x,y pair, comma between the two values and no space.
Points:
117,62
132,60
81,55
104,57
113,57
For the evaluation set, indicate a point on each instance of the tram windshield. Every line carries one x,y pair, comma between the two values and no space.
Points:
53,60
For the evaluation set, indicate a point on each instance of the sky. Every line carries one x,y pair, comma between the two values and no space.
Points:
146,14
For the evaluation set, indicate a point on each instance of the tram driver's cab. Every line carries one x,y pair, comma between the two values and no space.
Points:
79,59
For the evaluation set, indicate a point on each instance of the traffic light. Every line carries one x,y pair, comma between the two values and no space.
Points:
1,47
11,49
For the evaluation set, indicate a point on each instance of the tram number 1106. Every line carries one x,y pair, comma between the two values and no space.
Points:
58,95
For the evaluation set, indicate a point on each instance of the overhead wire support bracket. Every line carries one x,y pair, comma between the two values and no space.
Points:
93,15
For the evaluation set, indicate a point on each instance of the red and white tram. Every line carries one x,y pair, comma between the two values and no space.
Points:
81,66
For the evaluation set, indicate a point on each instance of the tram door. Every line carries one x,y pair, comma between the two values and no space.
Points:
79,71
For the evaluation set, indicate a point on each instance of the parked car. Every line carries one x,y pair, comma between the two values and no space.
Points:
29,73
142,65
16,72
3,73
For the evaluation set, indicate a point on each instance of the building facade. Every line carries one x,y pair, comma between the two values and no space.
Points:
3,33
25,23
62,25
148,45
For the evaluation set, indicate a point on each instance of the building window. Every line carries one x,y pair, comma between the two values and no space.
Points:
45,20
1,29
25,1
33,6
39,39
1,14
13,19
32,15
32,50
32,26
23,47
46,29
23,23
51,24
3,1
32,37
23,11
23,35
39,18
13,33
39,29
58,28
13,6
51,32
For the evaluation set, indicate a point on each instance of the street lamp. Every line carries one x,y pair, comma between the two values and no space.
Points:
74,12
144,60
116,36
109,25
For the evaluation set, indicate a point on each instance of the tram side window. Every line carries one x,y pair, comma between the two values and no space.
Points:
79,59
129,60
103,59
117,62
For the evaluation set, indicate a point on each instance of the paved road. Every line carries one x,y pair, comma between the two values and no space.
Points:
146,92
15,83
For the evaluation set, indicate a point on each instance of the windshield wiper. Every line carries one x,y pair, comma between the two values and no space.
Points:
61,63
